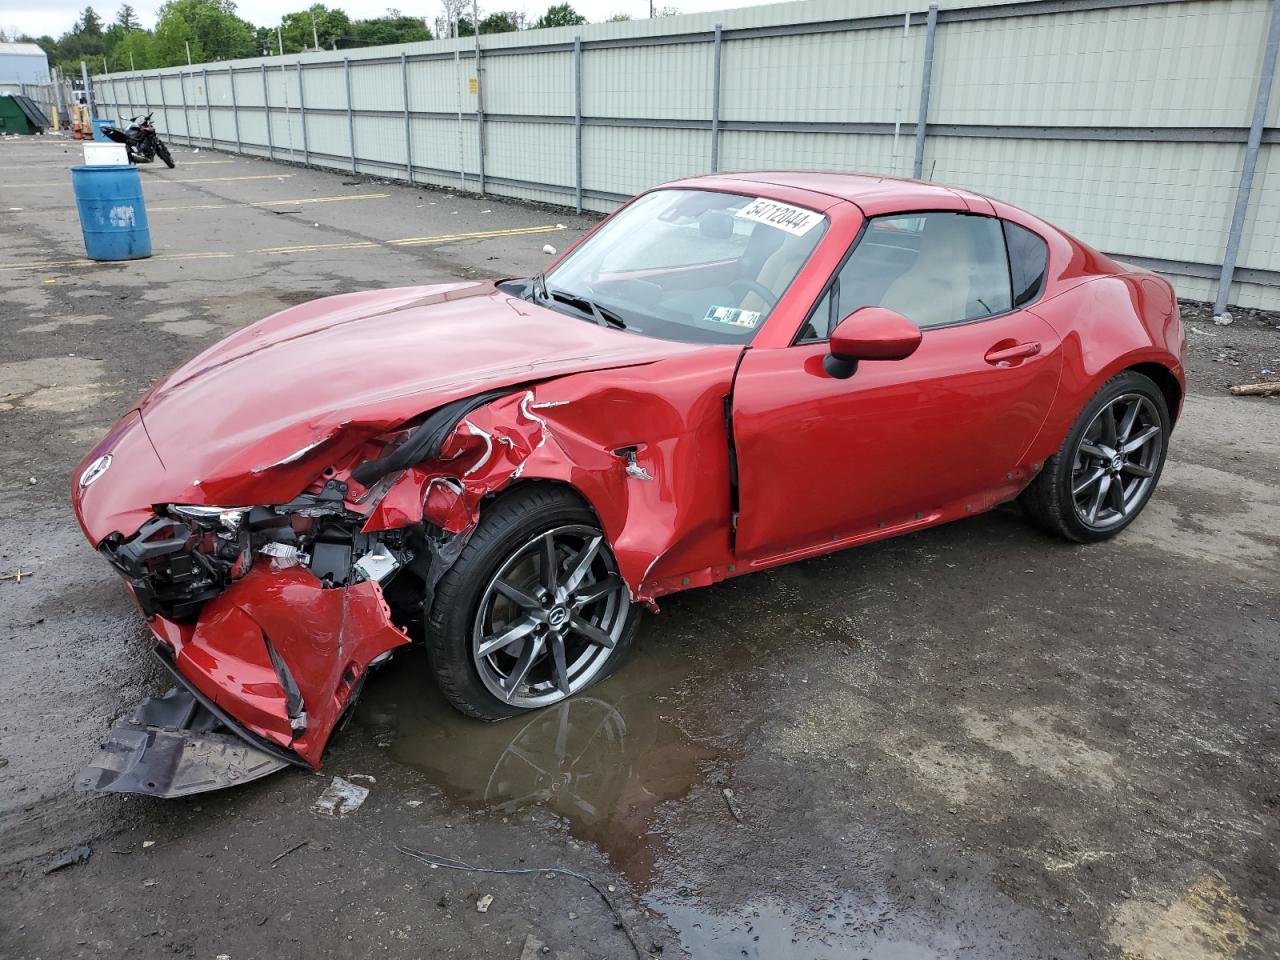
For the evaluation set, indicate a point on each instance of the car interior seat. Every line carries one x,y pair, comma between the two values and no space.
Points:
935,289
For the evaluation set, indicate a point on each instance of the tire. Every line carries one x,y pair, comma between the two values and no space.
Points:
163,151
497,588
1084,493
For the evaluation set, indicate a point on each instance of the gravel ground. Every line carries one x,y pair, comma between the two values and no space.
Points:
971,742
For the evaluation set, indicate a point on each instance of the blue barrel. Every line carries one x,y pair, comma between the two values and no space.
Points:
97,130
113,217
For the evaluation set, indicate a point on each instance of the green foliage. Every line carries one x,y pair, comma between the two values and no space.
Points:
393,28
210,26
127,18
498,22
560,15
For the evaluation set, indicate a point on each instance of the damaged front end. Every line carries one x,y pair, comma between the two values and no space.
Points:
270,618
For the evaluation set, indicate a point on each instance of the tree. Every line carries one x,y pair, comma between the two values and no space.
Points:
330,26
127,18
89,24
499,22
393,28
135,51
210,26
560,15
618,18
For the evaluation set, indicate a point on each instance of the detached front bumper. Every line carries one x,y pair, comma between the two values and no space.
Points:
179,744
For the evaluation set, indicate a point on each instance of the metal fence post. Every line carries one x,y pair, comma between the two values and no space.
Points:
577,123
186,114
351,124
164,107
208,107
302,117
922,118
408,134
1260,105
266,112
235,108
715,102
479,114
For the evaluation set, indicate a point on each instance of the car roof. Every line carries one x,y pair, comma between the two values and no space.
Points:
875,194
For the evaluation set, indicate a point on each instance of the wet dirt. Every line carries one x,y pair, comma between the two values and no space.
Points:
975,741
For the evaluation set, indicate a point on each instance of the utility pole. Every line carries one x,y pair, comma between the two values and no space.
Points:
650,9
131,66
315,37
280,41
188,44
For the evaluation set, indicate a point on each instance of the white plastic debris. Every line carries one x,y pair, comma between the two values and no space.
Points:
340,798
482,905
549,249
561,226
1223,319
148,843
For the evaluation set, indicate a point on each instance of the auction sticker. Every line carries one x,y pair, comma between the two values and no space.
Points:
795,220
733,316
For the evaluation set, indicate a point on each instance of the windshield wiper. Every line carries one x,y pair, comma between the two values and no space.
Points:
602,316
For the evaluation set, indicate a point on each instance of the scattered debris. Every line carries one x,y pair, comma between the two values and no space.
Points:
1223,319
340,798
280,856
533,947
16,577
732,804
548,248
450,863
148,843
351,183
1251,390
413,803
68,858
482,905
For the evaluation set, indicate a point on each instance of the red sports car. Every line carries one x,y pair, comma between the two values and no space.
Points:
730,373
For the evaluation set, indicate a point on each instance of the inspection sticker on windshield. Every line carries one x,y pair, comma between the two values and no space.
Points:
795,220
733,316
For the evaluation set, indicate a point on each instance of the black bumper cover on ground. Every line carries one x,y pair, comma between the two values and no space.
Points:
179,744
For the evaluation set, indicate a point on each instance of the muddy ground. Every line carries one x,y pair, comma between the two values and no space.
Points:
971,742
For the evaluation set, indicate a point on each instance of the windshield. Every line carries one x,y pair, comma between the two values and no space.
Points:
691,265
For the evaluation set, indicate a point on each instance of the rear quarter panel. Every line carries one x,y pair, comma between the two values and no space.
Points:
1108,324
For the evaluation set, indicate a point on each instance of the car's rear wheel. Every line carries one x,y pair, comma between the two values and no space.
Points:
533,611
1108,466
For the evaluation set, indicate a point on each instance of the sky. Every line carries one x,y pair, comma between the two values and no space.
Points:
55,17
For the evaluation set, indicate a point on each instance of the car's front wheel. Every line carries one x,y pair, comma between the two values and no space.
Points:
533,611
1108,466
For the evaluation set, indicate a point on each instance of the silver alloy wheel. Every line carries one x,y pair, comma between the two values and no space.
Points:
549,620
1116,461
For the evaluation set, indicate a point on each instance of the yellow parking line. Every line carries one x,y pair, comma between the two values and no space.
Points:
303,248
44,211
262,176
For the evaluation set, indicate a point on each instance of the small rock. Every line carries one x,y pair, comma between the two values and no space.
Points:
482,905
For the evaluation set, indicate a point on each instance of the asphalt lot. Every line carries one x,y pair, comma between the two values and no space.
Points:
971,742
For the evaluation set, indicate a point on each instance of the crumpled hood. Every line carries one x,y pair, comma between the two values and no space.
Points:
254,418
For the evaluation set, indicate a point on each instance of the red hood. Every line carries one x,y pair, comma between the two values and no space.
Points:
235,424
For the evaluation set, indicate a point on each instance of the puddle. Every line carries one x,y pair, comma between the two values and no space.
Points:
603,760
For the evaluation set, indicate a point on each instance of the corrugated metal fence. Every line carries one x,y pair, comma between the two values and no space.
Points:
1127,123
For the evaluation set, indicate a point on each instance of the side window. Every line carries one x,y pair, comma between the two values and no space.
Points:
933,268
1028,262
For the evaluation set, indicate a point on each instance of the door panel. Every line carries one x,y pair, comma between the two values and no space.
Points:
821,458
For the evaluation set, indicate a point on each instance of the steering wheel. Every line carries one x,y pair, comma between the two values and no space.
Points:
754,286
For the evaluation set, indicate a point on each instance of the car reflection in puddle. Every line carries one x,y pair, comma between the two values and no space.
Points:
603,760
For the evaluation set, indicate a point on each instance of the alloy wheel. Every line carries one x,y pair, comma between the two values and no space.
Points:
550,618
1116,461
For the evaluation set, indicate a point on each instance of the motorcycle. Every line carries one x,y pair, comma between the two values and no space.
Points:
141,141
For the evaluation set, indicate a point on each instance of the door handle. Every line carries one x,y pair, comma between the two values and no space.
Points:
1001,353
